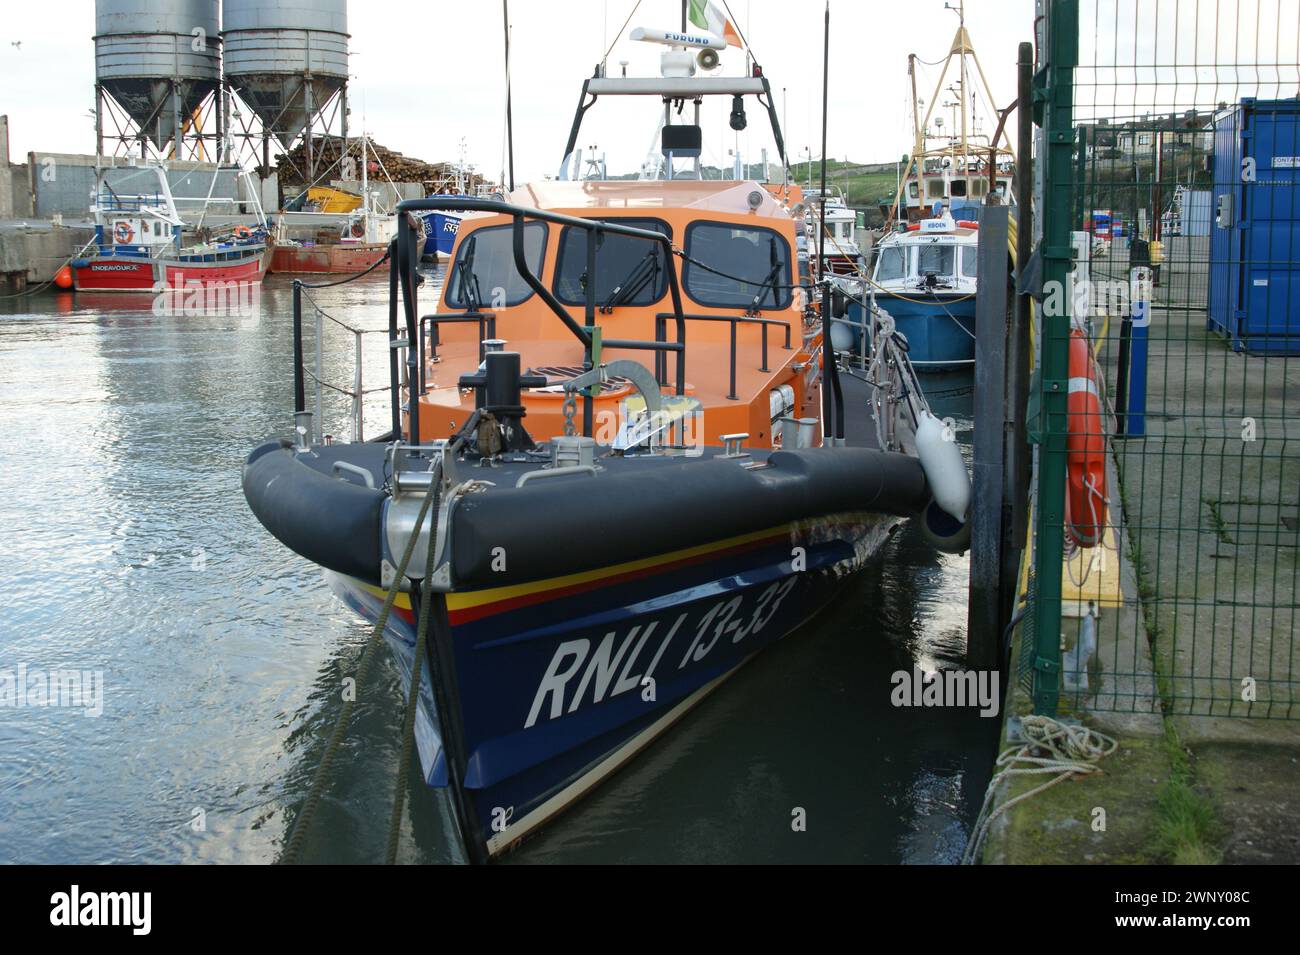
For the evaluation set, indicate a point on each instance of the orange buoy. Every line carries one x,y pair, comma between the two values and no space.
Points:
63,277
1085,489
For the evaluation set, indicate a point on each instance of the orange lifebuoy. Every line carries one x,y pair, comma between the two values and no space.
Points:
358,229
243,231
913,226
122,232
1085,489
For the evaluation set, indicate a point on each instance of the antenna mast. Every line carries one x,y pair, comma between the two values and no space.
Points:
510,129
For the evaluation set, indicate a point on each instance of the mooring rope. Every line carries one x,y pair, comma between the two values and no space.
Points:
303,820
1071,751
46,284
412,700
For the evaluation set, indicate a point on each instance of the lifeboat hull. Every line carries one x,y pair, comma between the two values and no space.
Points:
574,623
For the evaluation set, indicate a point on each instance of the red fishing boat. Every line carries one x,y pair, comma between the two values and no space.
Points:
352,257
361,243
138,244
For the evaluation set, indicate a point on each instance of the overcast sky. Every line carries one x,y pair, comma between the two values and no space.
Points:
428,72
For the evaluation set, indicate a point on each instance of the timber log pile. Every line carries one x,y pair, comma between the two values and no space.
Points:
434,176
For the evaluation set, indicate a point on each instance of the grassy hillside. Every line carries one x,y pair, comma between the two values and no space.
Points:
865,186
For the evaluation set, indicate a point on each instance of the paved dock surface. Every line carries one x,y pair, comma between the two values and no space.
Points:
1195,674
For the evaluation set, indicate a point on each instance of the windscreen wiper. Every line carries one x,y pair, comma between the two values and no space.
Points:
769,283
468,279
644,271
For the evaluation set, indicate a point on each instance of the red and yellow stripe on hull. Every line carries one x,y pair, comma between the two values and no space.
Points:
468,606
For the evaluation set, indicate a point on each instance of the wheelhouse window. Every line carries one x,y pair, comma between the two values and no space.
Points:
738,264
892,263
485,263
968,266
936,260
628,271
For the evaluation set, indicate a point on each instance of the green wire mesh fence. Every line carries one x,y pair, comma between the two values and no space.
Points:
1170,204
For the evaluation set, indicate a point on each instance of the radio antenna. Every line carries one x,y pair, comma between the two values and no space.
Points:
510,129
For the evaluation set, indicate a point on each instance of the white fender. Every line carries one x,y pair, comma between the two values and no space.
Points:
841,337
944,468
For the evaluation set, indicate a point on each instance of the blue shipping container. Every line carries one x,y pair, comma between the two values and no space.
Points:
1254,289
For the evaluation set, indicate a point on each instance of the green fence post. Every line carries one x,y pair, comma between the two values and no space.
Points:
1056,255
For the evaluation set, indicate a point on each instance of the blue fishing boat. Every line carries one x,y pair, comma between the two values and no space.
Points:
440,228
925,277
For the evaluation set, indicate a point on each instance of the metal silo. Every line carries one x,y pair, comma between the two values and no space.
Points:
158,61
288,61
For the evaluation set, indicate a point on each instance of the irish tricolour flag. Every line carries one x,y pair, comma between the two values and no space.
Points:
705,15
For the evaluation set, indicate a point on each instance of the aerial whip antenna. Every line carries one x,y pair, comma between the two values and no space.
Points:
510,130
832,404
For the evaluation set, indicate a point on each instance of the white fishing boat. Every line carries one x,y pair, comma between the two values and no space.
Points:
925,277
842,254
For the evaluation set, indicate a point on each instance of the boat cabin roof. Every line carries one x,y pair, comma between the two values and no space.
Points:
727,195
958,235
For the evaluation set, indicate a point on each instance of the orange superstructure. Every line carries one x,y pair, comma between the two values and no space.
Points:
735,255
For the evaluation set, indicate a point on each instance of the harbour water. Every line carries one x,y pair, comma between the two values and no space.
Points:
129,552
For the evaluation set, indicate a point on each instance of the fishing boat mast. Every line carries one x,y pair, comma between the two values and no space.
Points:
957,149
961,81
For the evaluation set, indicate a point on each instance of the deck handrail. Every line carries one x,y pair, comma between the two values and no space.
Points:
407,260
487,328
734,320
300,372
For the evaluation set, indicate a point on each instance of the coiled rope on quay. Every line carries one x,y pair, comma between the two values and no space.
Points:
1070,750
